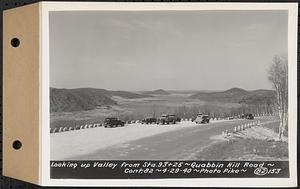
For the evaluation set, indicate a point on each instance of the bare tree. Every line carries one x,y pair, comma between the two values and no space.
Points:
278,75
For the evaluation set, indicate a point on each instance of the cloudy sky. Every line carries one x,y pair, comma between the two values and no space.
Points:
195,50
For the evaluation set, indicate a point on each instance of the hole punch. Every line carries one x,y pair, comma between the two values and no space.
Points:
15,42
17,144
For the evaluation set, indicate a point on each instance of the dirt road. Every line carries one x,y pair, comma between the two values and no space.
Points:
178,144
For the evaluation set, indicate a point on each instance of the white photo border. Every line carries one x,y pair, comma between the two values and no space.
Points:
46,7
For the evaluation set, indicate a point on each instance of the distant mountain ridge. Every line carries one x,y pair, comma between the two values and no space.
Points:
68,100
157,92
237,95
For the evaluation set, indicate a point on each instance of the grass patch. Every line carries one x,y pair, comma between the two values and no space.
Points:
244,148
275,128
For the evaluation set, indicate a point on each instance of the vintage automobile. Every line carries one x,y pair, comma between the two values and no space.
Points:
249,116
195,117
149,120
167,119
113,122
201,118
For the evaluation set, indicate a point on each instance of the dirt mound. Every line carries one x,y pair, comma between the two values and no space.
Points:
256,132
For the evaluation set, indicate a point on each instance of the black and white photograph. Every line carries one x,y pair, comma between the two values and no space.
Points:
166,85
197,85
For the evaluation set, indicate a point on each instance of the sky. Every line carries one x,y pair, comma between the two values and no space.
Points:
171,50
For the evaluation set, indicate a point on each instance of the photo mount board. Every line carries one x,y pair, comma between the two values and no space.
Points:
21,93
28,24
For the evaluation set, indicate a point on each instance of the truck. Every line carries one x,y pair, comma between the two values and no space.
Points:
113,122
167,119
201,118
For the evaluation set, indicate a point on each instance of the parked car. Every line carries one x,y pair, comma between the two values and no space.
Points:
195,117
167,119
113,122
149,120
201,118
249,116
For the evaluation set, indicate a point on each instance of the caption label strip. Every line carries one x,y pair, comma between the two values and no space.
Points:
167,169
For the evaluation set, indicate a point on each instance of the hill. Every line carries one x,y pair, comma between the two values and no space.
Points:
69,100
237,95
157,92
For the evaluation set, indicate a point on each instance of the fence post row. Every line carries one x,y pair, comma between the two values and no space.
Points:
94,125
